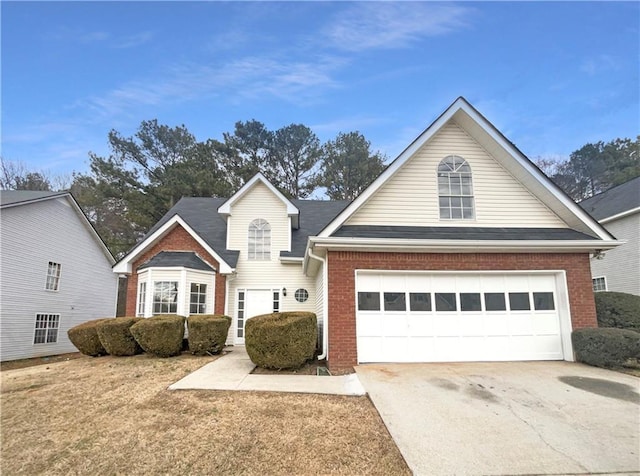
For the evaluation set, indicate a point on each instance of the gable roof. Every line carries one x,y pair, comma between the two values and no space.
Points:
16,198
200,216
292,210
177,259
503,151
616,202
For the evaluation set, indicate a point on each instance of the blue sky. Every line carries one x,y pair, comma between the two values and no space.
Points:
551,76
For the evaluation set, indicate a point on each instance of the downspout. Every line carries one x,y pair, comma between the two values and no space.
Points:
325,303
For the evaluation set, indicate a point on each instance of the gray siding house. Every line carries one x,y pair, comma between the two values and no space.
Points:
55,273
618,209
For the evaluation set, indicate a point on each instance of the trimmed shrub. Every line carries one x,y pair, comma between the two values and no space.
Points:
620,310
85,337
282,340
207,333
160,335
606,347
115,336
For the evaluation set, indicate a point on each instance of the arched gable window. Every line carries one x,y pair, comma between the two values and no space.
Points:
455,189
259,240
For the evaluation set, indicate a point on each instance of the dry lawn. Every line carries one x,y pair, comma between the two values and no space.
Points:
113,415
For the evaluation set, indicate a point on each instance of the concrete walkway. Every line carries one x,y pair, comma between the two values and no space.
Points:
232,371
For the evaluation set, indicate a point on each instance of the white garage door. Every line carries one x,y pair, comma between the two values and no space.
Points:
440,317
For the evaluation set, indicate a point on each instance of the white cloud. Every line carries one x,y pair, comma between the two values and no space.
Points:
393,25
599,64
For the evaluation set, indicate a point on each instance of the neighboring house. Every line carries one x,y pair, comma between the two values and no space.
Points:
461,250
618,209
55,273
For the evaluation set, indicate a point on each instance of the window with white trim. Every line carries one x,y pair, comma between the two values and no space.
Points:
240,329
46,331
165,297
198,298
142,298
53,276
599,283
455,189
259,243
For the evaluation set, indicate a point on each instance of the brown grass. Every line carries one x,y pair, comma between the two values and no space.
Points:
114,415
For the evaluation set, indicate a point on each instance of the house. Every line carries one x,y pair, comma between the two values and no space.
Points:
460,250
618,209
55,273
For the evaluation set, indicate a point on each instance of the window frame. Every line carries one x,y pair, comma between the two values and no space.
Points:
259,240
141,306
595,281
452,173
201,295
160,302
52,281
48,336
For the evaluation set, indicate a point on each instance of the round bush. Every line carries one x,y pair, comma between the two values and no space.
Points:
620,310
115,336
606,347
207,333
160,335
85,337
282,340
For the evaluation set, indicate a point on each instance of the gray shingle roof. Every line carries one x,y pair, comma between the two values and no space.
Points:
616,200
173,259
459,233
201,214
15,197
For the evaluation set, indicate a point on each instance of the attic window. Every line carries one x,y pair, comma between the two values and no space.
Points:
259,245
455,189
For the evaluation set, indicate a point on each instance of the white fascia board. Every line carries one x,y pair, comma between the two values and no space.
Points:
459,246
620,215
225,208
126,264
392,168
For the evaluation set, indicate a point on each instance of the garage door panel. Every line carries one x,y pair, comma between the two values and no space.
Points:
426,317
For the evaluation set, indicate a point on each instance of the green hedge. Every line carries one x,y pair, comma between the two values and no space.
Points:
207,333
620,310
115,336
606,347
160,335
85,337
283,340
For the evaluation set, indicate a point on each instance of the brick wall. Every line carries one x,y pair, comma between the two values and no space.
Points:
341,286
177,239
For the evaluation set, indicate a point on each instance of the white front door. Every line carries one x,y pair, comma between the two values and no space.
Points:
251,303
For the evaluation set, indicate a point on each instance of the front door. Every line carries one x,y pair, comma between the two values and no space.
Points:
252,302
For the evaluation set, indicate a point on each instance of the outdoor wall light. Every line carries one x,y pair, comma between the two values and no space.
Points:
284,291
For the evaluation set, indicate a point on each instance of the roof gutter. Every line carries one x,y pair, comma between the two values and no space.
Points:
325,303
461,246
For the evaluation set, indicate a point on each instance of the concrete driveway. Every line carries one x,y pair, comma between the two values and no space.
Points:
508,418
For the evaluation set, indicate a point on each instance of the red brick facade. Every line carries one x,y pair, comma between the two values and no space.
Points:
341,285
177,239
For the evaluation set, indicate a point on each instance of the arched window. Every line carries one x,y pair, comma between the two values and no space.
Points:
455,189
259,240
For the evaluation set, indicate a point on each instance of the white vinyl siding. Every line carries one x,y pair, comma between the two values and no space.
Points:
89,287
410,197
621,265
260,202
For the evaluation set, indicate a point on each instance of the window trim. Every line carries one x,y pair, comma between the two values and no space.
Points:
453,171
54,278
141,305
176,302
259,240
594,284
200,294
48,320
